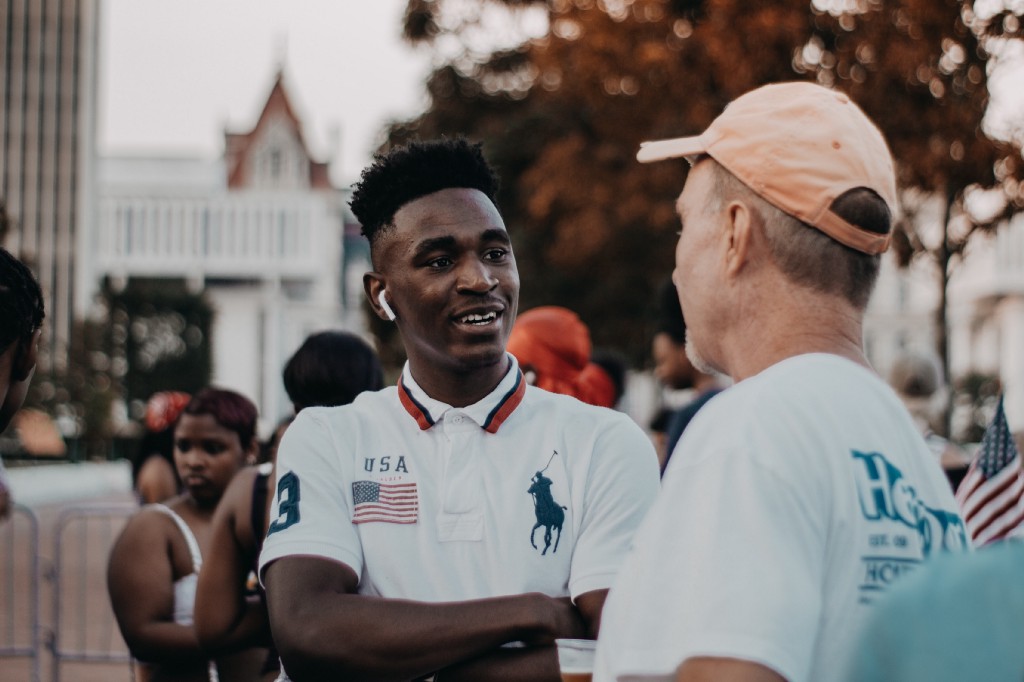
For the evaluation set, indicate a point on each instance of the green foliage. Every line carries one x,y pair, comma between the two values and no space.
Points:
160,338
157,338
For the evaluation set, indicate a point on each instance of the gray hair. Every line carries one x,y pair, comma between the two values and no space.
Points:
807,255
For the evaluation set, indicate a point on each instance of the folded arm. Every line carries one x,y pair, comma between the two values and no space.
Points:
226,618
325,631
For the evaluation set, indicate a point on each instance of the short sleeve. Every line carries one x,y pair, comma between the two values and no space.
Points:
754,596
310,514
622,483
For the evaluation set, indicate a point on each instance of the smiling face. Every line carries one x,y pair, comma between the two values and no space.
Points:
449,274
207,456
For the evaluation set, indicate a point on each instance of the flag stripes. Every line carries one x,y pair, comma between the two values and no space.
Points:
991,496
384,502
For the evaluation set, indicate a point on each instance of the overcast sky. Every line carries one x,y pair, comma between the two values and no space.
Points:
174,74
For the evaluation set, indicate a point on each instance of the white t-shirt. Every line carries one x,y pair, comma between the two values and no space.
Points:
792,499
525,491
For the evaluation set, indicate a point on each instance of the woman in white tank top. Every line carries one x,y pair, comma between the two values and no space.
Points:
155,562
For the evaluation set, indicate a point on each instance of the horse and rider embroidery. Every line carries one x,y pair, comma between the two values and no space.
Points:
550,514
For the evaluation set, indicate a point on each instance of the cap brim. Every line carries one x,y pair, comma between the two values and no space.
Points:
679,147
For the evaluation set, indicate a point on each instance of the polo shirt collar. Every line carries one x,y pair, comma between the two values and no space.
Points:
489,413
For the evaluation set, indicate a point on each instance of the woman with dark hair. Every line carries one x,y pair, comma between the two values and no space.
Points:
154,476
330,368
154,564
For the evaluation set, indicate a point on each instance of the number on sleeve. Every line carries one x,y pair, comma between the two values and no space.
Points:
287,503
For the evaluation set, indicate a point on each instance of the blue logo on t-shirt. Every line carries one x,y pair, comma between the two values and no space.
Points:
887,495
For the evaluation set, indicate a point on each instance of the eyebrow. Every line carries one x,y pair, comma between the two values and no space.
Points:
495,235
435,244
447,243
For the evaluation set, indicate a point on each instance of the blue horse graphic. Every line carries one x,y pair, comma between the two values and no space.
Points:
550,514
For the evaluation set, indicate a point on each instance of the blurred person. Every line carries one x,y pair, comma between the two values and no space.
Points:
958,618
154,475
797,495
268,449
154,564
329,368
552,345
21,309
917,379
675,371
658,427
615,367
424,527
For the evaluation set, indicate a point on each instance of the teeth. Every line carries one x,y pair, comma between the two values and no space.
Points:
479,319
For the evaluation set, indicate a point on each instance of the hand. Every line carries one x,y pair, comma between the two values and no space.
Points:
559,619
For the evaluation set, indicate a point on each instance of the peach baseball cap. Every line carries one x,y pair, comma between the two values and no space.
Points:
799,146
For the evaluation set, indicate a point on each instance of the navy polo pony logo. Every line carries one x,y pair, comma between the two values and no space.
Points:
550,514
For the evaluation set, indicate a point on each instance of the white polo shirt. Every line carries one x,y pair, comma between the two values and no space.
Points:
430,502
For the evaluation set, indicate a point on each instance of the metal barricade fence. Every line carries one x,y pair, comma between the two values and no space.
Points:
19,588
83,627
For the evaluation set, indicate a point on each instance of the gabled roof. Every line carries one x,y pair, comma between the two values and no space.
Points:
237,146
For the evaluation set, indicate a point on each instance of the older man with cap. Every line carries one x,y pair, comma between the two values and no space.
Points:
805,489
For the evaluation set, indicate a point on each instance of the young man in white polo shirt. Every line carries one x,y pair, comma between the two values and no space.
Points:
453,526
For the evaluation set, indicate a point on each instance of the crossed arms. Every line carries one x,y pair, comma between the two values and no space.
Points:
325,631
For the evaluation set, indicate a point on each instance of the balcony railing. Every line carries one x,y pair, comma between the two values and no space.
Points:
226,236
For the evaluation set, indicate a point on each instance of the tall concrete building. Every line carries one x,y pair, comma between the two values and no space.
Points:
48,76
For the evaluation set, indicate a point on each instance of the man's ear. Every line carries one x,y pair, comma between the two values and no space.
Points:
373,284
25,358
742,222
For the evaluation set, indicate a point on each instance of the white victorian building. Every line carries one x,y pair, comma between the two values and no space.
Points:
260,232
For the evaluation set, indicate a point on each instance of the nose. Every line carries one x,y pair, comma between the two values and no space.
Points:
193,458
475,277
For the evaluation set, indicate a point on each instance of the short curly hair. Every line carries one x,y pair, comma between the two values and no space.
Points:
415,170
21,301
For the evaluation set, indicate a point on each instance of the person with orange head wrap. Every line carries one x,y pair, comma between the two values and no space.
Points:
552,344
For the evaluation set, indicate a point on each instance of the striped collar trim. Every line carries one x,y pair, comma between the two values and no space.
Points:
507,405
489,413
414,407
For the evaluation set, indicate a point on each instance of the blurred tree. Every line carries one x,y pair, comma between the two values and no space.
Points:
159,338
155,337
81,396
562,116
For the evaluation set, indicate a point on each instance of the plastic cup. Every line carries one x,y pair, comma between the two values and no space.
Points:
576,659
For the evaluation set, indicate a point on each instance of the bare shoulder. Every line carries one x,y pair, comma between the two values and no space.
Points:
149,521
156,481
238,494
146,533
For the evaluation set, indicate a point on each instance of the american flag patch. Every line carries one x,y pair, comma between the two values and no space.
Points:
386,502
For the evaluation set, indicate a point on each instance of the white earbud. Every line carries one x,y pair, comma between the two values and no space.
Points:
384,304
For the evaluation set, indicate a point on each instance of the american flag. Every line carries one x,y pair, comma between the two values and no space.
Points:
991,496
387,502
